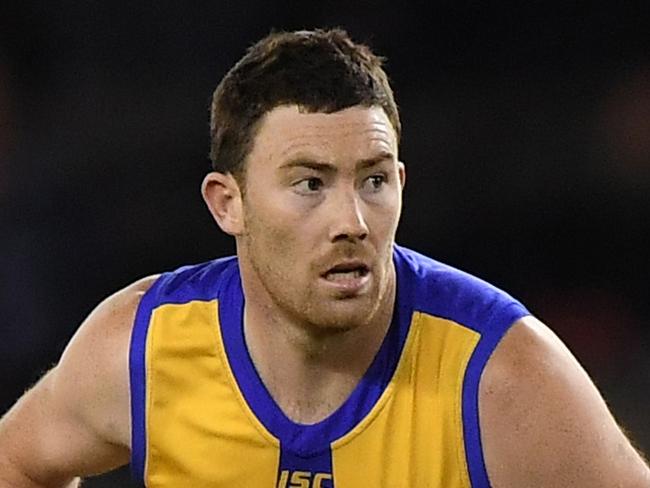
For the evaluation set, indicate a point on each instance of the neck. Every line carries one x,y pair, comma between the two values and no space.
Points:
311,371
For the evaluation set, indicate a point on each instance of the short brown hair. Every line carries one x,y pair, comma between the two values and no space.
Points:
320,71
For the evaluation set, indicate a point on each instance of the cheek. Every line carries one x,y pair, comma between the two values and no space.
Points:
273,237
385,217
282,217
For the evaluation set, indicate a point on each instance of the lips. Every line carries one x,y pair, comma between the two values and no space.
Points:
348,279
346,271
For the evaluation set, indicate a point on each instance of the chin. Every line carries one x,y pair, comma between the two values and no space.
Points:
343,316
331,328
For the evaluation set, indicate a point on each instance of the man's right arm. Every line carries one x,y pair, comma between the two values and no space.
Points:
76,420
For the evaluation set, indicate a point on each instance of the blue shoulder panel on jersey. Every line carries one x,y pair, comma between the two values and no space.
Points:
448,293
199,282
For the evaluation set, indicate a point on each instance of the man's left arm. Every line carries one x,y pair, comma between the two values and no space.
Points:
544,423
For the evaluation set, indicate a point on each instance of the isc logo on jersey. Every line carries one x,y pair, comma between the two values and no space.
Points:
304,479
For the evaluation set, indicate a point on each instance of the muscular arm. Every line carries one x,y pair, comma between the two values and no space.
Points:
543,422
76,420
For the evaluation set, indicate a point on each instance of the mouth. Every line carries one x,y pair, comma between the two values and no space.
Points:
345,271
348,277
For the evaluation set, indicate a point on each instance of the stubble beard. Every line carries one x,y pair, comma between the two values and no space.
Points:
300,304
319,316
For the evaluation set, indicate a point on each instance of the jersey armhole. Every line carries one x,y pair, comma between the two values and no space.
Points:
138,382
488,342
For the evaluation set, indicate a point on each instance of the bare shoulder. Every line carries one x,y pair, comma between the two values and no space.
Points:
76,420
112,318
544,423
94,367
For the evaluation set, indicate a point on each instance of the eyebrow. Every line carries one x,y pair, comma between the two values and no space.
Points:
305,162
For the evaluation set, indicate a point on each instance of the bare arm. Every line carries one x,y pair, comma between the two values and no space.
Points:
544,423
76,420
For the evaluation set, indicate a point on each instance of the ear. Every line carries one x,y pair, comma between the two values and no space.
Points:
401,170
223,197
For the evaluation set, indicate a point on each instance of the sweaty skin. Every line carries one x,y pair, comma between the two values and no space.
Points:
315,229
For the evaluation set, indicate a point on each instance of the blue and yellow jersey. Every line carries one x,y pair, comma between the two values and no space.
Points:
203,418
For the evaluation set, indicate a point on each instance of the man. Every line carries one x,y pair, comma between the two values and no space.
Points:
323,354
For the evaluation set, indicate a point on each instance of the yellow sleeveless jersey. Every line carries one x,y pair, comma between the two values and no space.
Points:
201,416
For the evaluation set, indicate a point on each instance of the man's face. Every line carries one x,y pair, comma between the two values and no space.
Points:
321,206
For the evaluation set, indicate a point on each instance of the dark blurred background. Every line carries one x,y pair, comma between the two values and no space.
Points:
526,139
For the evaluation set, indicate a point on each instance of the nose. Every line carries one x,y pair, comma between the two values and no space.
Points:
348,222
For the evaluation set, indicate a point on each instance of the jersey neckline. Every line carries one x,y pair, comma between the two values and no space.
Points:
309,440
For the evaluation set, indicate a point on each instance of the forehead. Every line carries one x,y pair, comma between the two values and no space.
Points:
286,131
